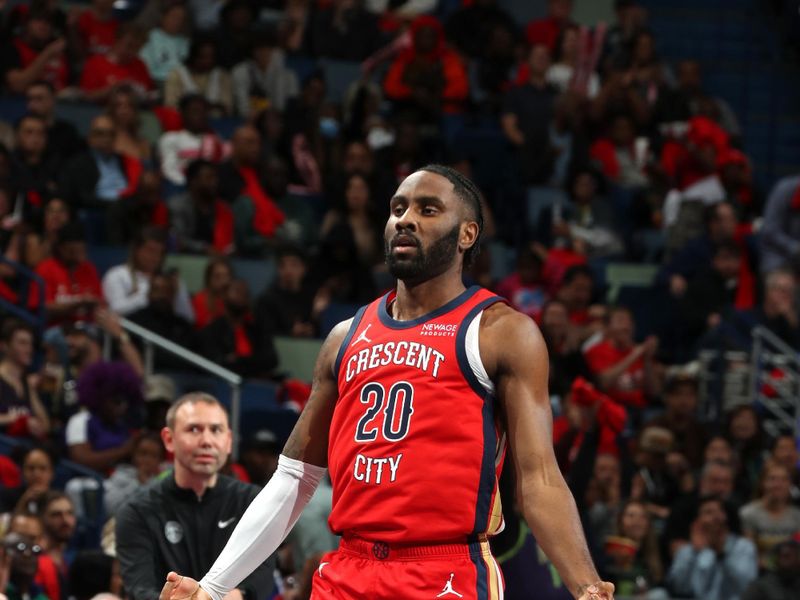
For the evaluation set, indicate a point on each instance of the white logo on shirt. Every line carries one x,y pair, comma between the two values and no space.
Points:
448,588
321,565
224,524
363,336
173,532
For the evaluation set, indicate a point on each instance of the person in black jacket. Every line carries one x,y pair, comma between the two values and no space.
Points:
182,521
235,340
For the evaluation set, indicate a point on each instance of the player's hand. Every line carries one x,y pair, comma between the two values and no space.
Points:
178,587
602,590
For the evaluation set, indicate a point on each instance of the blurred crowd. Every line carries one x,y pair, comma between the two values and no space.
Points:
275,131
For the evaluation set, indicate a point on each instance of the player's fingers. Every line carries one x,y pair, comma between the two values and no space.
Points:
166,591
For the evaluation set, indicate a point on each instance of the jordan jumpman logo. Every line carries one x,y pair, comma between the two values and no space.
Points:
448,588
363,336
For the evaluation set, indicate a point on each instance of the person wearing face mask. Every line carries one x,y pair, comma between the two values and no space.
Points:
159,316
234,341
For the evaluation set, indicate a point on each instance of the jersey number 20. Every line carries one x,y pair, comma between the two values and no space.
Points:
395,426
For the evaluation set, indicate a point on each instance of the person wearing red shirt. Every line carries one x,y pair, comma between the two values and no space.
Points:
71,284
209,303
428,77
624,369
102,72
97,27
546,31
35,55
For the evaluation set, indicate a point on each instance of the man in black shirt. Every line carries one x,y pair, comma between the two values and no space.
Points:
183,521
63,140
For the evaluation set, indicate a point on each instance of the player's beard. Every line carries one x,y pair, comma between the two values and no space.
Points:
424,264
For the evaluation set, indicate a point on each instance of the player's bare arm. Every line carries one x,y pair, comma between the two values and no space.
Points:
515,357
308,443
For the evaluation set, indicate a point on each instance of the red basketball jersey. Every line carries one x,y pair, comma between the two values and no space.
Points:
415,447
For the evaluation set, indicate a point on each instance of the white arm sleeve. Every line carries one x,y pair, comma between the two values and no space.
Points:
264,525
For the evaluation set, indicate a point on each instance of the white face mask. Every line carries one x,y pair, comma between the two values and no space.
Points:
378,138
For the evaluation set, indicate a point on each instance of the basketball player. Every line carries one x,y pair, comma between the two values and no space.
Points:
413,403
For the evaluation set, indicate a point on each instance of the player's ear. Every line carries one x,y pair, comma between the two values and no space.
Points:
468,236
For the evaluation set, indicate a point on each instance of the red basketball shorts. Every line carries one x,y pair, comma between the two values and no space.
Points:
364,570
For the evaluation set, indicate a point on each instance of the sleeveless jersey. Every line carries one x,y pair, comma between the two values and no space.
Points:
415,449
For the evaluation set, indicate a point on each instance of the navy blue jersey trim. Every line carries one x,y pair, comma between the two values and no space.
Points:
487,478
346,341
482,579
388,321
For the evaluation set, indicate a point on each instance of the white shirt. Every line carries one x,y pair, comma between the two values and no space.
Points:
126,292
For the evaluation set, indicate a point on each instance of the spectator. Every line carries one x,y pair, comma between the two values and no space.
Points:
93,572
694,255
60,525
21,411
19,561
358,157
624,369
39,244
428,78
711,295
71,285
301,223
691,91
576,291
126,286
680,418
63,140
200,75
471,27
159,394
97,28
563,347
603,499
146,458
263,80
526,116
36,54
567,71
27,523
201,221
100,175
619,37
622,156
357,212
103,72
648,73
235,31
259,456
344,30
33,169
234,341
144,208
123,108
546,31
195,140
38,470
785,452
193,506
745,433
716,479
159,316
778,311
525,287
209,303
780,584
100,437
636,566
780,230
286,307
771,519
587,223
654,482
256,216
736,176
167,46
716,564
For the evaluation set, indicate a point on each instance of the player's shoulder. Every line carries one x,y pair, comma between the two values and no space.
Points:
502,319
506,336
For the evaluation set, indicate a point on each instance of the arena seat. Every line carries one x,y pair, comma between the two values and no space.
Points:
297,356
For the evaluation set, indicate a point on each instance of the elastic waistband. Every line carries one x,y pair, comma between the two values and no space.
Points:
385,551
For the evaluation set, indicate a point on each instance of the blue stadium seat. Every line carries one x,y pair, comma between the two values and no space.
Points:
80,114
12,108
339,76
335,313
259,273
105,257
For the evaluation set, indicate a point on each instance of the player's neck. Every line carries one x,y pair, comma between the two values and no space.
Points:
416,300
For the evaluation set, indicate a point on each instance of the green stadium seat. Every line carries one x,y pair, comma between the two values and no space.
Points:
297,356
